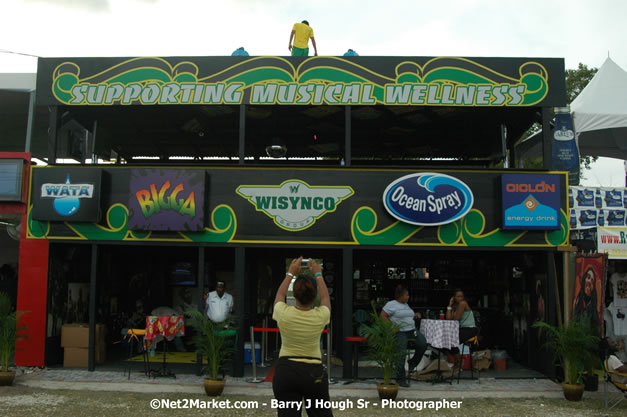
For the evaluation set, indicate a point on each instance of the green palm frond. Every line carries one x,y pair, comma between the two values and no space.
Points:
383,344
210,341
11,330
576,345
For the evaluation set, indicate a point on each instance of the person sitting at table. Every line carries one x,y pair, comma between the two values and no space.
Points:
458,309
178,341
398,312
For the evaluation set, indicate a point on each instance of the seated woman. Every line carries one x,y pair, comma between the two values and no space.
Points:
398,312
458,309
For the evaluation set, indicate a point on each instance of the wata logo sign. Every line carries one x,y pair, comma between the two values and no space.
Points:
294,205
427,199
67,196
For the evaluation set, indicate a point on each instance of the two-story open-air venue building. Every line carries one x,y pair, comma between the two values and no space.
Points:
391,170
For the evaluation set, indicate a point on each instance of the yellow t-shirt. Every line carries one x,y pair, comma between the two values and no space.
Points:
302,35
300,330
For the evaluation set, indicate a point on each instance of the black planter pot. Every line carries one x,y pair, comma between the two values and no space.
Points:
591,382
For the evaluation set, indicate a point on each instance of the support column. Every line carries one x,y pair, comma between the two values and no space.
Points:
30,123
199,300
346,310
53,123
242,309
547,139
92,307
242,134
348,156
32,296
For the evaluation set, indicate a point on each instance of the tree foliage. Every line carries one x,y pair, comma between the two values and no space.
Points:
577,80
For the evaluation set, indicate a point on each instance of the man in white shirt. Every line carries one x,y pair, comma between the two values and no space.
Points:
219,304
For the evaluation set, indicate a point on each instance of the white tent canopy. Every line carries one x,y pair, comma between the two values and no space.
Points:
600,113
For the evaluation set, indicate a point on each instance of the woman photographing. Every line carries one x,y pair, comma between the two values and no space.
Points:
299,372
458,309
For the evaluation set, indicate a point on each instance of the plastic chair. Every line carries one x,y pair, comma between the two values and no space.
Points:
619,380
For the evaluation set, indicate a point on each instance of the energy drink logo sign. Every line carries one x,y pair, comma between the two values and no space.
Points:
66,195
427,199
442,81
294,205
166,200
531,202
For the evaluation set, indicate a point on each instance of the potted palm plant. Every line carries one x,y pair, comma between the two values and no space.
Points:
11,330
576,345
213,342
385,349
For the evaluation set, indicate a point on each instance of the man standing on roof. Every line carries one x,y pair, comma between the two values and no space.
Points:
301,32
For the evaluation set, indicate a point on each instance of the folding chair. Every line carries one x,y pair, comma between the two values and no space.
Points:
469,344
130,336
619,380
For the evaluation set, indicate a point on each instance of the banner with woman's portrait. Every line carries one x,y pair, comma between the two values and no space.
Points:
588,294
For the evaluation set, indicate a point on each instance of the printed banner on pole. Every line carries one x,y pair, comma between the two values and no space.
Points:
613,241
588,294
565,152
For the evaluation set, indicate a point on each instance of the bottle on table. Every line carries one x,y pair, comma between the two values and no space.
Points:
441,315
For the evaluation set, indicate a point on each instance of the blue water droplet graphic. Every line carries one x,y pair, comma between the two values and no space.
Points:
66,206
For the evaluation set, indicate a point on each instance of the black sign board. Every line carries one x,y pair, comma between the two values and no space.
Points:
66,194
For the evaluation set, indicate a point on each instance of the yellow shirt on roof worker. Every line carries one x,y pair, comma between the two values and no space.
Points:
301,33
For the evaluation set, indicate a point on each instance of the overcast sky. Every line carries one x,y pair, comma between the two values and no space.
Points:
576,30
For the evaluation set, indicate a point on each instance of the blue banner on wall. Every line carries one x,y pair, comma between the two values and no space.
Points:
531,201
565,152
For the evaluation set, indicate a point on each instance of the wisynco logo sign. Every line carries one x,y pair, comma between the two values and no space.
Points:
294,205
427,199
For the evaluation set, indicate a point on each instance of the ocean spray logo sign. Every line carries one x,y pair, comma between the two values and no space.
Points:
531,202
427,199
294,205
67,196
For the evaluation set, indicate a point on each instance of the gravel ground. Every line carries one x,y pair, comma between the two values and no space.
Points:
21,401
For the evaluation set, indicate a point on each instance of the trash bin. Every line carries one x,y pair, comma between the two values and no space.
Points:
500,360
248,358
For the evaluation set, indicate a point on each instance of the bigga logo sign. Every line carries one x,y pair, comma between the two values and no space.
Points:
294,205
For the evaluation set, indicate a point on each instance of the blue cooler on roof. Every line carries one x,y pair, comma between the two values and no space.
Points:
248,358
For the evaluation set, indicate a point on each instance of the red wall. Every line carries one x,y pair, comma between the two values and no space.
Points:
32,289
